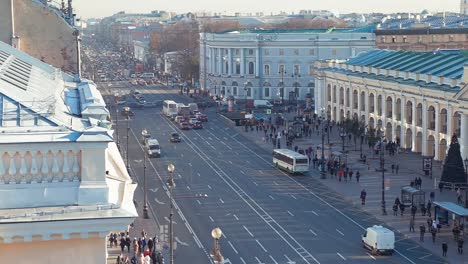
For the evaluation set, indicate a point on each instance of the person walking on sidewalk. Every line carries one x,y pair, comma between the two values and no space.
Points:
397,168
422,230
429,223
460,245
393,168
433,233
402,209
350,173
411,225
358,175
395,209
429,206
363,197
414,209
444,249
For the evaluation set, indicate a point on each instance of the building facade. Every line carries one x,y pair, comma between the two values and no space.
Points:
273,64
63,183
416,98
464,7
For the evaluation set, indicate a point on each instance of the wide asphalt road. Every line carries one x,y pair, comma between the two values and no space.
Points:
267,216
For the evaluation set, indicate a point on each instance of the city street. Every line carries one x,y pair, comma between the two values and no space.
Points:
266,215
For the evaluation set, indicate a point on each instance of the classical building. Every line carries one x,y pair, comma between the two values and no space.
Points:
418,97
423,34
63,183
464,7
273,64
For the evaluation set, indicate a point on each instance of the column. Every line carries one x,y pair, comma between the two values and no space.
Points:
394,117
229,61
23,167
242,62
338,103
384,111
413,125
351,101
437,135
376,110
12,170
332,104
257,61
403,122
220,62
366,106
212,61
424,128
449,124
2,169
464,135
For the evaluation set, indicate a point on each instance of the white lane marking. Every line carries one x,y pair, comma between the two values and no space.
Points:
261,172
198,174
230,162
211,128
246,229
213,147
256,184
210,138
271,197
243,261
221,200
371,256
242,172
259,262
260,244
209,187
235,216
314,212
341,256
207,142
154,190
275,183
180,242
339,231
169,220
225,138
198,201
274,261
248,161
188,187
181,155
291,214
211,218
294,197
159,202
190,164
233,248
289,260
312,231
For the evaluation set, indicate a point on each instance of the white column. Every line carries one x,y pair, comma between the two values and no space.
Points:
229,61
2,169
257,62
394,108
437,135
384,110
338,102
403,122
376,110
413,124
23,167
366,106
220,61
359,103
34,168
65,167
424,128
464,135
449,124
212,61
351,102
332,104
12,169
44,167
242,62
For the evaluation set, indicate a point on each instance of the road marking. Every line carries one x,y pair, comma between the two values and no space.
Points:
243,261
221,200
260,244
235,216
312,231
242,172
246,229
190,164
235,135
259,262
180,242
371,256
181,155
210,138
289,260
248,161
230,162
256,184
159,202
271,197
188,187
211,218
169,220
294,197
341,256
261,172
198,174
274,261
154,190
339,232
225,138
275,183
233,248
291,214
198,201
209,187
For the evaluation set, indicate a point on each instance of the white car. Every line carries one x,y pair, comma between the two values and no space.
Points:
193,121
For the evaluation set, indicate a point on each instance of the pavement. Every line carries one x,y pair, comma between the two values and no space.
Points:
410,166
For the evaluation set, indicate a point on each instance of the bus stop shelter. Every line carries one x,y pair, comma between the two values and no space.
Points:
412,196
445,211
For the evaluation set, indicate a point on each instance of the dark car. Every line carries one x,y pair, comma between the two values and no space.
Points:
202,117
175,137
184,126
197,125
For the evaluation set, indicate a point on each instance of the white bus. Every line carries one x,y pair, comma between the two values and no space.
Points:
290,161
169,108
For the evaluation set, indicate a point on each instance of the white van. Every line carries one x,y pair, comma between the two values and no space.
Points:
152,147
262,104
379,240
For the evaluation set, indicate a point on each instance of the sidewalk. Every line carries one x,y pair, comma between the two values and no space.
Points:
410,166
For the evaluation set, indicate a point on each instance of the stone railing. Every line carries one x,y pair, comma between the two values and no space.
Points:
36,166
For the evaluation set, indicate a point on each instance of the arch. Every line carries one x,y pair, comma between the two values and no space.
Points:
442,149
408,139
329,91
335,114
371,122
389,132
363,101
355,100
418,143
347,97
419,115
456,124
251,67
409,112
311,85
379,105
431,117
443,121
379,124
223,83
296,84
334,94
388,107
267,84
363,118
398,109
341,117
430,149
355,116
371,103
348,114
329,112
397,134
341,102
234,83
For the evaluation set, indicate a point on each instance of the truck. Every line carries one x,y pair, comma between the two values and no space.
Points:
379,240
183,110
262,104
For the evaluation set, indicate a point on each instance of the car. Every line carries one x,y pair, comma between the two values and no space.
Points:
141,100
197,125
178,118
175,137
202,117
135,93
379,240
152,147
184,126
193,120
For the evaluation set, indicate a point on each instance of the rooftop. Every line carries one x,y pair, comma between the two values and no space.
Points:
366,29
429,21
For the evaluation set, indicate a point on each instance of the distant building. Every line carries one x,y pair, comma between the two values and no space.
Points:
169,59
41,31
64,185
464,7
423,34
273,64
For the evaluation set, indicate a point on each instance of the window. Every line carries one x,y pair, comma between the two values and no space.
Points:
226,51
250,51
266,69
249,92
334,52
420,39
226,67
251,68
393,39
311,52
234,91
267,92
236,51
363,37
296,51
281,69
267,52
297,69
382,39
405,39
434,38
281,52
451,38
311,69
237,66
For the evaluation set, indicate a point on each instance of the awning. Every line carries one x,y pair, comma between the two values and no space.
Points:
453,207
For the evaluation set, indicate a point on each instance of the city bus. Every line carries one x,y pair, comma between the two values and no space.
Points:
169,108
290,161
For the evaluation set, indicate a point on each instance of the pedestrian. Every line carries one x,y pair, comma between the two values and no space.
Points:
423,210
345,176
395,209
128,243
350,175
150,244
441,186
429,206
411,225
429,223
123,243
393,168
414,209
358,175
422,230
402,209
363,197
433,233
460,245
459,196
444,249
397,168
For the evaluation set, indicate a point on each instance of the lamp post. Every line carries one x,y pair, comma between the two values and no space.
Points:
322,171
171,184
466,180
282,72
343,137
382,168
245,93
145,203
218,258
126,154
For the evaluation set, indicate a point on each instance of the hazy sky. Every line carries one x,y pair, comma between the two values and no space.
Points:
102,8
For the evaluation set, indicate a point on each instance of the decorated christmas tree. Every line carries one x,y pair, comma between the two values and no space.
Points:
454,170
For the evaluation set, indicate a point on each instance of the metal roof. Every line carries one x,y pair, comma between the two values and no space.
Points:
438,63
453,207
430,21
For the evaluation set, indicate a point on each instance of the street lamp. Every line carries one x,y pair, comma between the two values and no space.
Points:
128,130
343,137
216,233
145,206
322,170
171,184
466,180
245,93
382,168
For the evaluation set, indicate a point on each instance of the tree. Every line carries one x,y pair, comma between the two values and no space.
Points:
223,25
453,171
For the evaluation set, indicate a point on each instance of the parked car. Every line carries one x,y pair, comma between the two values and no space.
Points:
202,117
175,137
193,120
197,125
184,126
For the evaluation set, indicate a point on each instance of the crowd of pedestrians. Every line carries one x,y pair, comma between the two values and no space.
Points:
141,250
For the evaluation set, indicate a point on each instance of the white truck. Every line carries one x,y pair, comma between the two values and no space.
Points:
379,240
262,104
